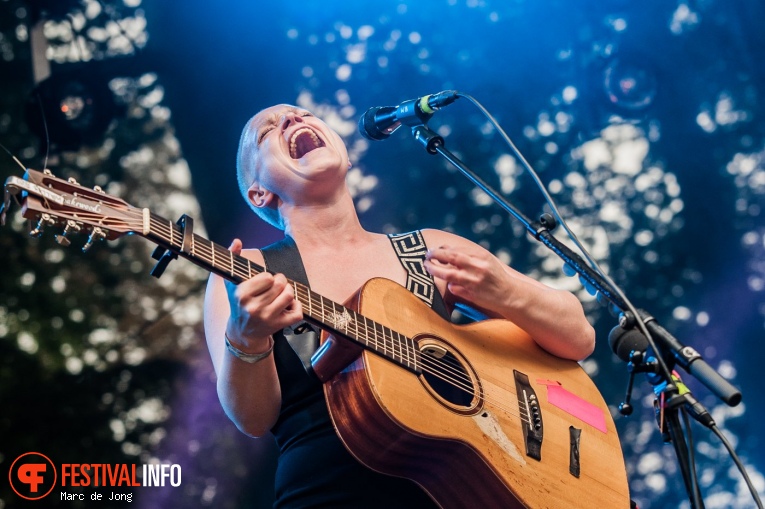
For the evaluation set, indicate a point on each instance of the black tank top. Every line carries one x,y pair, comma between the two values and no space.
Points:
314,469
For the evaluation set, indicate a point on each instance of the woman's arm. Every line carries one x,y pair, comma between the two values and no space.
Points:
554,318
248,314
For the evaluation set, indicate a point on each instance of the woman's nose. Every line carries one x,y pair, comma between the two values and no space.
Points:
291,118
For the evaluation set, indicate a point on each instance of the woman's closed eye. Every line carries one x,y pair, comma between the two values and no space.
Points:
264,132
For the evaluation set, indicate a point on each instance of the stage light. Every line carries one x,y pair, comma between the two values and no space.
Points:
76,106
628,86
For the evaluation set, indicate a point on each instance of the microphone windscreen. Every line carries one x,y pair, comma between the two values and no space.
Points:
623,342
368,127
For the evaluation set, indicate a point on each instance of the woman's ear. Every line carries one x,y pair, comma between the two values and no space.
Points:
259,196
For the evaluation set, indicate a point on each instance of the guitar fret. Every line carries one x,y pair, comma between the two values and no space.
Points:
370,335
399,345
231,257
371,338
172,229
197,253
377,327
396,339
402,347
212,249
365,333
411,362
367,338
414,354
355,316
335,316
388,341
392,343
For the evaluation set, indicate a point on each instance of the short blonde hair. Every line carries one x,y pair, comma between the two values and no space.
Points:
246,175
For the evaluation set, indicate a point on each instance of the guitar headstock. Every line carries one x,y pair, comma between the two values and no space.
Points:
50,201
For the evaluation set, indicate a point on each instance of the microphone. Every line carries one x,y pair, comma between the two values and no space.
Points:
380,122
623,341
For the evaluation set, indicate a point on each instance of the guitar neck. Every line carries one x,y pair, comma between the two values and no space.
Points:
318,310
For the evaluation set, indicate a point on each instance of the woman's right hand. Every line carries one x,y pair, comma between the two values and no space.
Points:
260,306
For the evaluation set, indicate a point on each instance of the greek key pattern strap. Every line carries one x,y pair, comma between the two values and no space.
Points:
410,249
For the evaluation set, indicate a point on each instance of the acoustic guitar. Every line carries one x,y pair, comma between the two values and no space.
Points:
477,414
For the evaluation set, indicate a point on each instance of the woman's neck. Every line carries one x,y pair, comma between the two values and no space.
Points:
325,224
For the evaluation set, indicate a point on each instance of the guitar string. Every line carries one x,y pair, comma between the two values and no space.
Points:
156,224
452,373
437,367
242,268
444,368
305,295
434,364
365,331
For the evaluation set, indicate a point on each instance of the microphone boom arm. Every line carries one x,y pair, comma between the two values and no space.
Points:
434,144
686,356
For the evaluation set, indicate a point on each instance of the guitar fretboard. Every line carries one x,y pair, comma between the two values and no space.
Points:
320,311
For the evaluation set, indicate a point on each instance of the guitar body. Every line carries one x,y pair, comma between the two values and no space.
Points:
472,453
522,429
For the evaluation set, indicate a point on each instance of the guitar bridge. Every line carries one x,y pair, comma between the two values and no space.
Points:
530,415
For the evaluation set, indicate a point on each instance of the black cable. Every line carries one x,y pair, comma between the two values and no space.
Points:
593,264
739,465
695,490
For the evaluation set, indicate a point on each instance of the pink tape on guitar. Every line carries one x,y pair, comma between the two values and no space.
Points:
576,406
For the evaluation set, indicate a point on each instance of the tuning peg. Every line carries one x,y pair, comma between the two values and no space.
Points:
72,180
45,219
96,235
98,189
71,226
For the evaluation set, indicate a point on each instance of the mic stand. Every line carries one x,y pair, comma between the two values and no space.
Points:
671,411
688,358
434,144
668,405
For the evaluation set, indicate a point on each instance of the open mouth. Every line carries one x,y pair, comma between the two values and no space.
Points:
303,141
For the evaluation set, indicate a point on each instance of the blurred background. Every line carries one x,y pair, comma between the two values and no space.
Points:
645,120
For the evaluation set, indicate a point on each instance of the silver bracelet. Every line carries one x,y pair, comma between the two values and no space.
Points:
252,358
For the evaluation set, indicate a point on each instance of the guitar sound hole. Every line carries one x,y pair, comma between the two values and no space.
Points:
447,377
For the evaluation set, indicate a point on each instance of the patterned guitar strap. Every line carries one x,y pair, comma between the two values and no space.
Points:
283,256
411,249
